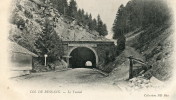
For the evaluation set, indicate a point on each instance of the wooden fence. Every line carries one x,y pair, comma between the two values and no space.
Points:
145,68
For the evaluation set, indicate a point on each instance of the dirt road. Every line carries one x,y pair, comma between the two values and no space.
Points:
73,77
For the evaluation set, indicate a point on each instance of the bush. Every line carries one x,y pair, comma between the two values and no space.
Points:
156,50
17,20
38,21
19,6
109,57
28,14
159,57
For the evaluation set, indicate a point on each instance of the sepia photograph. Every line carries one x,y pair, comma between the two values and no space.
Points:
87,49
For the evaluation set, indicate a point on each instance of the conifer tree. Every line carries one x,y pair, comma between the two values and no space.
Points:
140,14
72,9
104,28
101,27
49,43
61,6
117,28
83,18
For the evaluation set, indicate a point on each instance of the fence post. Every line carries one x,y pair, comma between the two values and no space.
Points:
131,68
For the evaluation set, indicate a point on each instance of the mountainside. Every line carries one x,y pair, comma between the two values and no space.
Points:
155,50
145,27
149,41
155,44
27,19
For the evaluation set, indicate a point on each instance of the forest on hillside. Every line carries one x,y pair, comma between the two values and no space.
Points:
70,9
140,14
145,26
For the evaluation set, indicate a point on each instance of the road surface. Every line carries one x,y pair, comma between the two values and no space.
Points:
79,77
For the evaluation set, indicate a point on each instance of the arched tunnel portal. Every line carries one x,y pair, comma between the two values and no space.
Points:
81,55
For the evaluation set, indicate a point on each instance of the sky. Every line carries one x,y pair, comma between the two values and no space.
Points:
107,10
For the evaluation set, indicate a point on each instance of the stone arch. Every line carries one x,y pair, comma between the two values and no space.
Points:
90,48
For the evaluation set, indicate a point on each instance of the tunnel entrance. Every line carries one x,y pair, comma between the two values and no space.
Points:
80,56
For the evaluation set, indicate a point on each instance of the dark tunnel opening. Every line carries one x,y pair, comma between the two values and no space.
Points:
80,56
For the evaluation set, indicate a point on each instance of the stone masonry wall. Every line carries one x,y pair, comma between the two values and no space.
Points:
105,54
